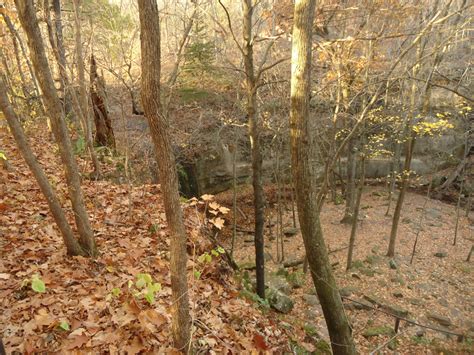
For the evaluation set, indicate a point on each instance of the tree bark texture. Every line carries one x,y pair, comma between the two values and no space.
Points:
254,133
84,102
58,31
306,194
159,128
350,186
29,22
72,245
410,144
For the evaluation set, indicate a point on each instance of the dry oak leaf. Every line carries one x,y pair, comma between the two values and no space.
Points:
259,342
135,347
77,342
151,320
207,197
218,222
214,205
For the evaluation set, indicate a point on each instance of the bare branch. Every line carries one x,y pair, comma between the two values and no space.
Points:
229,22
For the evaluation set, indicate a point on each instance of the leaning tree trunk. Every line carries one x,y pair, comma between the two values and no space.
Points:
254,133
404,186
14,32
72,245
27,16
159,128
104,133
355,216
306,194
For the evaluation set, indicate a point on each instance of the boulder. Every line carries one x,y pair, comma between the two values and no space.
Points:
278,282
347,291
290,231
249,265
391,308
311,300
433,213
359,304
393,265
397,294
296,279
279,301
375,331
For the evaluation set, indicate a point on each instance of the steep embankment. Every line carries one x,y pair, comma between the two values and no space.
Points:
82,295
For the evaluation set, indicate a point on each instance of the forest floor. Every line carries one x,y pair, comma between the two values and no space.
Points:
436,290
82,311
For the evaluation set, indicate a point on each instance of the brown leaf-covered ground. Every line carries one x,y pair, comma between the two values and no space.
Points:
443,286
132,238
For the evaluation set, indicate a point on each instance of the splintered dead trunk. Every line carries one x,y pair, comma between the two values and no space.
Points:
72,245
318,260
104,134
159,128
27,16
254,133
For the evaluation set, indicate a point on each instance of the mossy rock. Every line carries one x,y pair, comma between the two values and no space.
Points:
376,331
249,265
398,279
322,347
310,330
296,279
357,264
279,301
348,291
367,272
248,295
373,259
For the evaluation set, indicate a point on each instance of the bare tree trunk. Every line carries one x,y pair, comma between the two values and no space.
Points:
393,178
24,88
280,236
58,31
306,194
409,146
420,223
84,102
14,32
355,215
72,245
27,16
470,253
401,197
350,186
254,133
458,211
159,128
234,197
